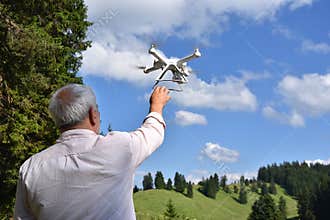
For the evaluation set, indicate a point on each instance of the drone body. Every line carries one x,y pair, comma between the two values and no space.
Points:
177,66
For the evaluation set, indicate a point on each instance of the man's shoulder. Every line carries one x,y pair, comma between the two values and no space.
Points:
40,157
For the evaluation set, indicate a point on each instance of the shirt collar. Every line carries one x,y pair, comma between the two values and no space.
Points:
75,132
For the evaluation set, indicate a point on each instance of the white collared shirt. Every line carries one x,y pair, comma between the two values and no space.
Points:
85,175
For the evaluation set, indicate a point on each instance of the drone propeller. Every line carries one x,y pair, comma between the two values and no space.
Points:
140,67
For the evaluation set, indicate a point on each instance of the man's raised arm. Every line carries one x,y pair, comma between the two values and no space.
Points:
150,135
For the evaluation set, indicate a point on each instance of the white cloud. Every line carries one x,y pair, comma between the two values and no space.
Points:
232,94
123,30
294,119
186,118
310,46
236,176
308,95
197,175
300,3
219,154
324,162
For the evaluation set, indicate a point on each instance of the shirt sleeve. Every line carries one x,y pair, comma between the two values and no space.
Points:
146,139
22,211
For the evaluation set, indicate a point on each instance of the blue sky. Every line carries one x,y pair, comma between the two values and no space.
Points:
260,93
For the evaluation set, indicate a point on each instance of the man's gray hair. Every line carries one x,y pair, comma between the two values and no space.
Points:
70,104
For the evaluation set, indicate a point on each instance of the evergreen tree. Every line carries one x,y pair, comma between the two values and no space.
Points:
235,189
242,195
136,189
227,189
242,180
216,181
179,182
272,188
147,182
264,189
170,211
41,50
223,182
282,208
159,181
169,184
264,208
305,206
190,190
254,187
211,188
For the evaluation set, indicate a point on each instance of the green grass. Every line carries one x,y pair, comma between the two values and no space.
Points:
151,204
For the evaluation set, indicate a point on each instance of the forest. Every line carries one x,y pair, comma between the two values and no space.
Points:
41,50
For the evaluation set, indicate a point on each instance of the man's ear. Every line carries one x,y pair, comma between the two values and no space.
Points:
92,116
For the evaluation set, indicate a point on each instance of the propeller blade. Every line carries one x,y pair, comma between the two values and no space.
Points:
141,67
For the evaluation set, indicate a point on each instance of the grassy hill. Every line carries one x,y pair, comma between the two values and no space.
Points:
151,204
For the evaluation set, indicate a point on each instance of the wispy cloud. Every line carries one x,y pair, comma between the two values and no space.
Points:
185,118
294,119
219,154
300,3
236,176
310,46
196,176
320,161
283,31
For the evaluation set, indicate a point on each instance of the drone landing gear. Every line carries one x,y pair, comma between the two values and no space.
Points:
179,89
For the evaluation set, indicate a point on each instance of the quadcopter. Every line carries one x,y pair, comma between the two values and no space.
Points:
178,67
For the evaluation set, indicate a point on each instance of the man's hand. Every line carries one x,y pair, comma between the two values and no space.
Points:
159,98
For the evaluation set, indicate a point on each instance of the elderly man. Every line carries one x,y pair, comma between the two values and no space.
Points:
86,175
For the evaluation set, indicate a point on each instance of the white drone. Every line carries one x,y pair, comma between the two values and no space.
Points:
177,66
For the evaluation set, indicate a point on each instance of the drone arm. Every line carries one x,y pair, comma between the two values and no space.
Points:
150,69
157,55
196,54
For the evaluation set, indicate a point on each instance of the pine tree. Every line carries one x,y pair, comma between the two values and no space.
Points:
282,208
223,181
190,190
227,189
136,189
159,181
242,195
169,184
235,189
41,50
179,182
264,208
264,189
216,180
147,182
170,211
242,180
272,188
211,190
254,187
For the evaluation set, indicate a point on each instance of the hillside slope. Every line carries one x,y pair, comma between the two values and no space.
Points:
152,203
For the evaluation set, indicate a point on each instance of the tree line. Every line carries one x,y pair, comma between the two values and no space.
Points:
263,208
180,184
310,184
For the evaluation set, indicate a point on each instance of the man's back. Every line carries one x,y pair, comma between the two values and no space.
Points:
85,175
79,177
